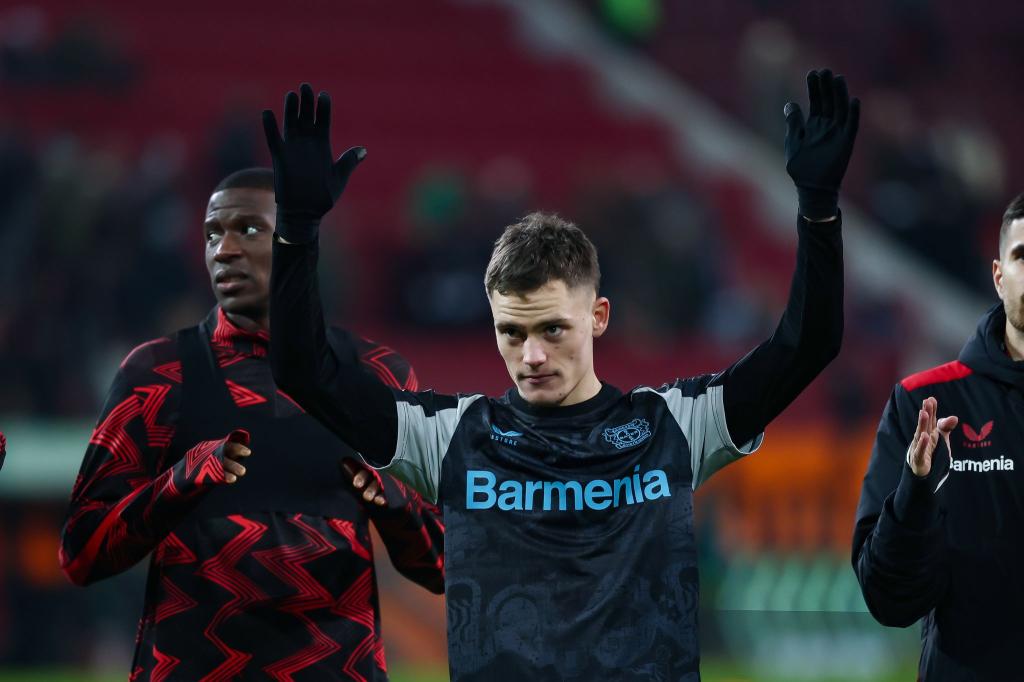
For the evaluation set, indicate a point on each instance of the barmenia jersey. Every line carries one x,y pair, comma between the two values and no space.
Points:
572,554
569,530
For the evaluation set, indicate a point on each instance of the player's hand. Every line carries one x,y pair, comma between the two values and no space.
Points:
233,455
307,179
929,430
366,483
818,150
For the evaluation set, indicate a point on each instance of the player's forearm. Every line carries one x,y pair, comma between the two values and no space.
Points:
330,384
413,532
761,385
105,537
901,569
299,352
416,548
915,502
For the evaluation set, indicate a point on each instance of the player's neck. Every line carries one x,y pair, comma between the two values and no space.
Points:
1014,342
588,387
247,323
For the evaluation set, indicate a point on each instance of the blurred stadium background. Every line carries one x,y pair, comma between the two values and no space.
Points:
656,125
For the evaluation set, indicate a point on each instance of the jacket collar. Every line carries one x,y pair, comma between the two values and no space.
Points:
985,352
226,335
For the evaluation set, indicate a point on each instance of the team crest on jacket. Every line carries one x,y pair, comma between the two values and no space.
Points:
628,435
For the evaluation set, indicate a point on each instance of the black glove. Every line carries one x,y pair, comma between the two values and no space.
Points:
818,150
307,181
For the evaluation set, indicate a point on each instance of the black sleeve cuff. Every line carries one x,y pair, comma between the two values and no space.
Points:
296,227
827,228
817,204
914,503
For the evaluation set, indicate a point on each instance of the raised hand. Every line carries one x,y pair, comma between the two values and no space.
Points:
365,481
926,437
818,150
307,179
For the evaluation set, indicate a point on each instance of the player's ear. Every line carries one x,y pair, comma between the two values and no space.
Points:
601,312
997,277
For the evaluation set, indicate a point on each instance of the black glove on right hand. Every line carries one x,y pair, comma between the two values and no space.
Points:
307,181
818,150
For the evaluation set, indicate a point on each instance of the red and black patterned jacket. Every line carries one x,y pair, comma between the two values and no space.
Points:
275,588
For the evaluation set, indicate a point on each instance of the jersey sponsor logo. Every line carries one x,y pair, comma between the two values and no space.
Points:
483,491
983,465
628,435
505,437
979,438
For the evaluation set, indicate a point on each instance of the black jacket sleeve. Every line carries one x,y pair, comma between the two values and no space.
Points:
898,541
412,530
329,383
762,384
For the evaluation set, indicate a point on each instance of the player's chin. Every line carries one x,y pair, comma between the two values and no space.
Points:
250,305
237,301
541,396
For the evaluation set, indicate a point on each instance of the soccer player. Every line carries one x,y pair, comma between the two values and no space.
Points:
260,567
569,504
941,514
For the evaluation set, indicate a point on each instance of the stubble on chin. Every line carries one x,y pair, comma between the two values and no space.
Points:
1015,315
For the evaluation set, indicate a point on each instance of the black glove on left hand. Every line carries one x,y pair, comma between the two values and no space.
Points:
307,181
818,150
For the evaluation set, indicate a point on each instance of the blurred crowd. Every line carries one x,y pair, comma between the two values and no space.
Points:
95,259
639,213
101,247
935,180
102,244
935,161
33,53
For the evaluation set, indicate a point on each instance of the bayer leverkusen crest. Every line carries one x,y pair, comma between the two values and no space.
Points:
628,435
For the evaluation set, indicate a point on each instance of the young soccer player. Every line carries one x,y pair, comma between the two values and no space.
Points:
260,563
568,503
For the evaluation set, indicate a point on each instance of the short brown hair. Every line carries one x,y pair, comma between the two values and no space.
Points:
539,248
1014,211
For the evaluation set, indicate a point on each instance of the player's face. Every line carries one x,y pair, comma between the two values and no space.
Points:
547,340
1008,274
238,230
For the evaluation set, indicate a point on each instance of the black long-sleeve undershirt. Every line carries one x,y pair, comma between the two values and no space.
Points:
362,411
770,377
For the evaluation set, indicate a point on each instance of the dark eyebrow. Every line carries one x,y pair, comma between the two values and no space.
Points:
544,324
248,218
554,322
1017,250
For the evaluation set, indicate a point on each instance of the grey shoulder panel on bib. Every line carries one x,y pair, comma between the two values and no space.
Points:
425,431
700,414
